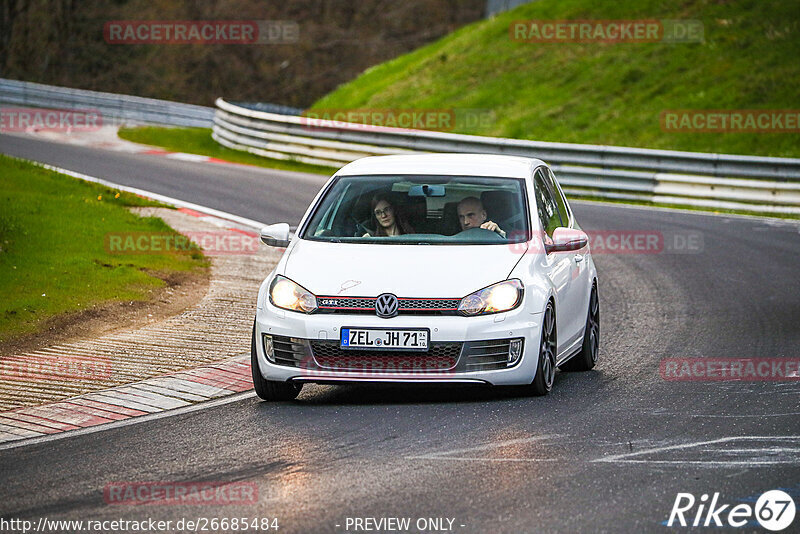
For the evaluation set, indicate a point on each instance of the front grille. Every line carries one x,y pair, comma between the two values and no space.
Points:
486,355
355,303
406,305
428,304
440,357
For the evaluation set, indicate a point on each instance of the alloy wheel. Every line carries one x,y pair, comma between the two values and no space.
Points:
548,350
594,325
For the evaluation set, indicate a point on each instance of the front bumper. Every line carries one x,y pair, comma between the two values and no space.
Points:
454,339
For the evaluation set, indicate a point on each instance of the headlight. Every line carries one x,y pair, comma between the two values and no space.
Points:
496,298
285,294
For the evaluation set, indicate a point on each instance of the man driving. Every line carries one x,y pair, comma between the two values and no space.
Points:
472,214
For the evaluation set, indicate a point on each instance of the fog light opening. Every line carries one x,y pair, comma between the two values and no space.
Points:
514,351
269,352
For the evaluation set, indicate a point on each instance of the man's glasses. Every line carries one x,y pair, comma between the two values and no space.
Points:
385,211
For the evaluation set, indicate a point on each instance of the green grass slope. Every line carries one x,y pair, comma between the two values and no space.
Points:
53,254
604,93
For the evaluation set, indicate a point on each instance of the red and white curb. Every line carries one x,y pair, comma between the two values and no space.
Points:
151,396
107,138
183,156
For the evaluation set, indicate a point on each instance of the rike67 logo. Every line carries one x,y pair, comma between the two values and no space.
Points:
774,510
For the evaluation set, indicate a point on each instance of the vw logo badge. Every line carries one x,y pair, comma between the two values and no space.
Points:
386,305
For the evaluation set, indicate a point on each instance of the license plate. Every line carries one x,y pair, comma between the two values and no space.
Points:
384,338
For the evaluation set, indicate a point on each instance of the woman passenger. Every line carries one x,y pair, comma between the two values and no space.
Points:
388,219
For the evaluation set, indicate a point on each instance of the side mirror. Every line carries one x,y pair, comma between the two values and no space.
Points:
567,240
276,235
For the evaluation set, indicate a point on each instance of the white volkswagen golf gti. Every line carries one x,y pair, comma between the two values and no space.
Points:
441,268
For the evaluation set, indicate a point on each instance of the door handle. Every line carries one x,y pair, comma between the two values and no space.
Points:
578,258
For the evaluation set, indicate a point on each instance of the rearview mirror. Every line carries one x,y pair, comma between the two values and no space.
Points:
567,240
276,235
427,190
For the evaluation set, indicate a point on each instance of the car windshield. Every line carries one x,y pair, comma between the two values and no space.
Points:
421,209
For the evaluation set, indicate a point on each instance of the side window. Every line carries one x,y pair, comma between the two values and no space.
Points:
559,195
329,217
546,204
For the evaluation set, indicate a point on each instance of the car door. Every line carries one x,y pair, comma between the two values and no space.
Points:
577,299
557,264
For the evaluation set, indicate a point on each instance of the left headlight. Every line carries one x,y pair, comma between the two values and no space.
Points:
496,298
288,295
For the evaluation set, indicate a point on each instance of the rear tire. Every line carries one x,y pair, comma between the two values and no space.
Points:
269,390
546,368
587,357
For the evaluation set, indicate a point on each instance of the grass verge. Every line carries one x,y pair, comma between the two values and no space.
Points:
53,255
199,141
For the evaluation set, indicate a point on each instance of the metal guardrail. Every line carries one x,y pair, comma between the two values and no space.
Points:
114,109
719,181
270,108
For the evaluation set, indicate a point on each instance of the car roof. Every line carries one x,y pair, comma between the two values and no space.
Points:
444,164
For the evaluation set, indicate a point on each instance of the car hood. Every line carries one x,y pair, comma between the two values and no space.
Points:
367,270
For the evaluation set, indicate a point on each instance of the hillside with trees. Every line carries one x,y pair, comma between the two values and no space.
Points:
61,42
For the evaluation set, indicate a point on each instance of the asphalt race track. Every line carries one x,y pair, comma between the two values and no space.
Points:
260,194
608,450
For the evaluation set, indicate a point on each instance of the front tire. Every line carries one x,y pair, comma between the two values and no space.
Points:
586,359
269,390
546,369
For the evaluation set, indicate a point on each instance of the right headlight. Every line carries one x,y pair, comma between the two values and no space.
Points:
496,298
288,295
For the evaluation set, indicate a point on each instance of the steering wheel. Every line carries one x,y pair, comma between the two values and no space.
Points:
360,226
479,234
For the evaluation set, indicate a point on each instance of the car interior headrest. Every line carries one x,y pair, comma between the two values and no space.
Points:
450,224
499,205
